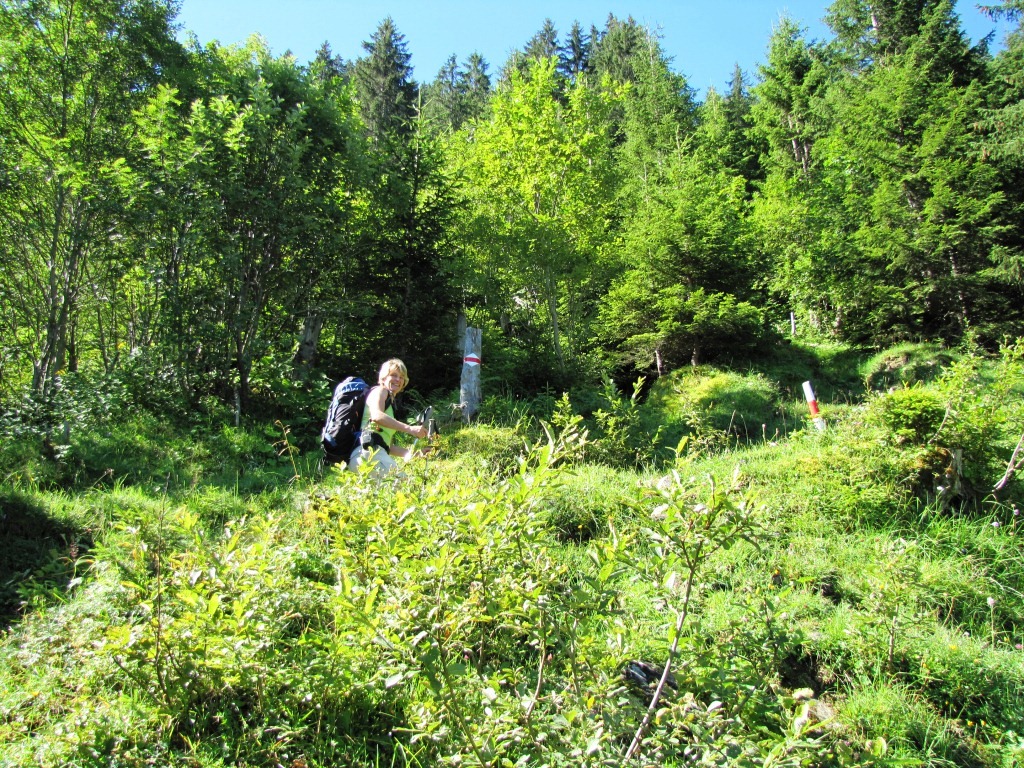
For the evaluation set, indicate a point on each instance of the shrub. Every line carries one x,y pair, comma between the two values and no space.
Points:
910,414
621,436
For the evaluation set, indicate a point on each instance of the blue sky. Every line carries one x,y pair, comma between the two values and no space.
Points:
706,39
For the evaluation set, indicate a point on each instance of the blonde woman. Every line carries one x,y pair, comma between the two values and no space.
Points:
376,439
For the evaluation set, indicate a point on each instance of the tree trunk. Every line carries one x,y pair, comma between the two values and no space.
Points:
309,338
469,395
43,366
556,340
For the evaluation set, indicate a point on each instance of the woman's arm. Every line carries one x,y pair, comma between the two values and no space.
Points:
376,401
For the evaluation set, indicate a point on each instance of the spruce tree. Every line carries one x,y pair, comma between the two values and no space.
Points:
574,55
613,51
476,85
544,44
386,91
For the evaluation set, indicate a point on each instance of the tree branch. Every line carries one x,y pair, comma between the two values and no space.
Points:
1016,460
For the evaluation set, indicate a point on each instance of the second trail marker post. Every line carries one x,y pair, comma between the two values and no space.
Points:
812,403
469,393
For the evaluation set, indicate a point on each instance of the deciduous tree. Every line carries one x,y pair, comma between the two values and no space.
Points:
71,75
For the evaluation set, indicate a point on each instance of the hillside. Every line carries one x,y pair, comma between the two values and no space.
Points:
189,593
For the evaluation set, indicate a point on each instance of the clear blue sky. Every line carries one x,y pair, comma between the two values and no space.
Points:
705,38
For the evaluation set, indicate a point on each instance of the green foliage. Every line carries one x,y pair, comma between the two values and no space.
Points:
906,364
714,408
621,437
539,190
515,600
911,414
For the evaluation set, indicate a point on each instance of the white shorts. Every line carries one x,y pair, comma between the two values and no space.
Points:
383,462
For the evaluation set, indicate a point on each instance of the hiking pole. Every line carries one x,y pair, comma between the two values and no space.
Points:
426,416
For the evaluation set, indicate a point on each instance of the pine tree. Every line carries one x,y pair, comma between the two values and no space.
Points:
869,32
443,99
1004,120
686,295
657,118
387,93
544,44
743,150
476,84
614,49
326,66
788,108
574,56
456,95
1003,144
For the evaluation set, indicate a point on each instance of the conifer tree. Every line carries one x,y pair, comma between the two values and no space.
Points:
788,109
442,99
613,50
327,66
544,44
743,149
574,55
456,95
476,84
686,295
387,93
659,115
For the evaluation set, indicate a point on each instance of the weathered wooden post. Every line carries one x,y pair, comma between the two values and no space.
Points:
469,393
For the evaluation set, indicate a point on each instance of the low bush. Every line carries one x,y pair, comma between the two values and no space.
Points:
910,414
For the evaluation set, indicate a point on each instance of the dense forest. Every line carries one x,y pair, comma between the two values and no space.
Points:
645,548
207,224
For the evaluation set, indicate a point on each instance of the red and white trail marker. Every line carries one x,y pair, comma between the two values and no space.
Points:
812,403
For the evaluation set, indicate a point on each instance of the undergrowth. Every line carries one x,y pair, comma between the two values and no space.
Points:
638,582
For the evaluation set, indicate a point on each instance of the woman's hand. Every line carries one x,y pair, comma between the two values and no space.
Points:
418,431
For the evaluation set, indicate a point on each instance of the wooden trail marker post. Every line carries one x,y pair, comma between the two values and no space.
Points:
469,393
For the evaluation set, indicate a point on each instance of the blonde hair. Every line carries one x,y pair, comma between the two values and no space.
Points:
392,366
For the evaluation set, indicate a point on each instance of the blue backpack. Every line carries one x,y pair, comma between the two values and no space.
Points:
344,419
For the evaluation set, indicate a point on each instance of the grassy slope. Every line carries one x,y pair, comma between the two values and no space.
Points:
842,609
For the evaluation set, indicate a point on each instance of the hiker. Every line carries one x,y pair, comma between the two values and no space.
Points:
376,440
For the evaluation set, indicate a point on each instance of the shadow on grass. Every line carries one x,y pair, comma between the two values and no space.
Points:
37,559
834,370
